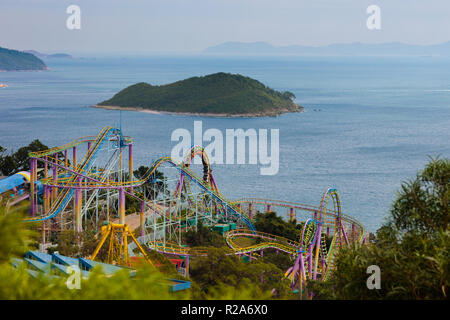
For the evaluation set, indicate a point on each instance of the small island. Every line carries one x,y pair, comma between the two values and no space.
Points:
13,60
219,94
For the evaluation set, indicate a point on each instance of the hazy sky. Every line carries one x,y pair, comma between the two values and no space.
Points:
141,26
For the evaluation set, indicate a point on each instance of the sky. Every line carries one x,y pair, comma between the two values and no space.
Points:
160,26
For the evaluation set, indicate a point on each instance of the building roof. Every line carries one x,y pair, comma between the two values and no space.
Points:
39,256
67,261
106,268
42,263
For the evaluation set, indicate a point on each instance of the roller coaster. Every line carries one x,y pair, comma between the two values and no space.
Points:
167,200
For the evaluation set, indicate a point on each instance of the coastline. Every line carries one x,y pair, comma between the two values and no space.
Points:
26,70
215,115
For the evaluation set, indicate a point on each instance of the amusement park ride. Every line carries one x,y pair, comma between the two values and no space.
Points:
171,199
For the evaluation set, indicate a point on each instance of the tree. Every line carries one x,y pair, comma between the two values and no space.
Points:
288,95
67,243
412,248
156,184
270,222
20,160
423,204
17,283
204,237
14,237
220,269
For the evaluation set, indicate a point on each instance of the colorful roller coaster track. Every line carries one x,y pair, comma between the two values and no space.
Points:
172,199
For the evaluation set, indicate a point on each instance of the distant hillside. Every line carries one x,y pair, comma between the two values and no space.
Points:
346,49
215,94
49,56
13,60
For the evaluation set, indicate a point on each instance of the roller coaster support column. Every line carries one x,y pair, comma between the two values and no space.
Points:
74,164
250,207
141,217
89,146
121,206
291,214
78,222
45,198
74,157
268,208
55,178
186,266
45,168
33,176
130,164
66,161
48,196
318,243
343,233
310,259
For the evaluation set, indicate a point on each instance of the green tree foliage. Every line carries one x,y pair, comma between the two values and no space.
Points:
67,243
288,95
13,60
155,185
411,249
71,245
148,283
220,270
15,239
215,93
19,160
152,188
204,237
270,222
280,259
423,204
163,264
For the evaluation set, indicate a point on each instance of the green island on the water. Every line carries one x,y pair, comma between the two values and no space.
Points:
219,94
14,60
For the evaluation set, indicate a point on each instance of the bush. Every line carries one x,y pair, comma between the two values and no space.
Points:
411,249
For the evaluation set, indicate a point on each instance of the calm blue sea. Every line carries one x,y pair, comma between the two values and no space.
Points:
380,119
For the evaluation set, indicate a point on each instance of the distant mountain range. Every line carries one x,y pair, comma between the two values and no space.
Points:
347,49
49,56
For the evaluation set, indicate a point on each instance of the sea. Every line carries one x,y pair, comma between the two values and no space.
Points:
369,125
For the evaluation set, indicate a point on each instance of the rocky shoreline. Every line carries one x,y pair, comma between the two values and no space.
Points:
218,115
